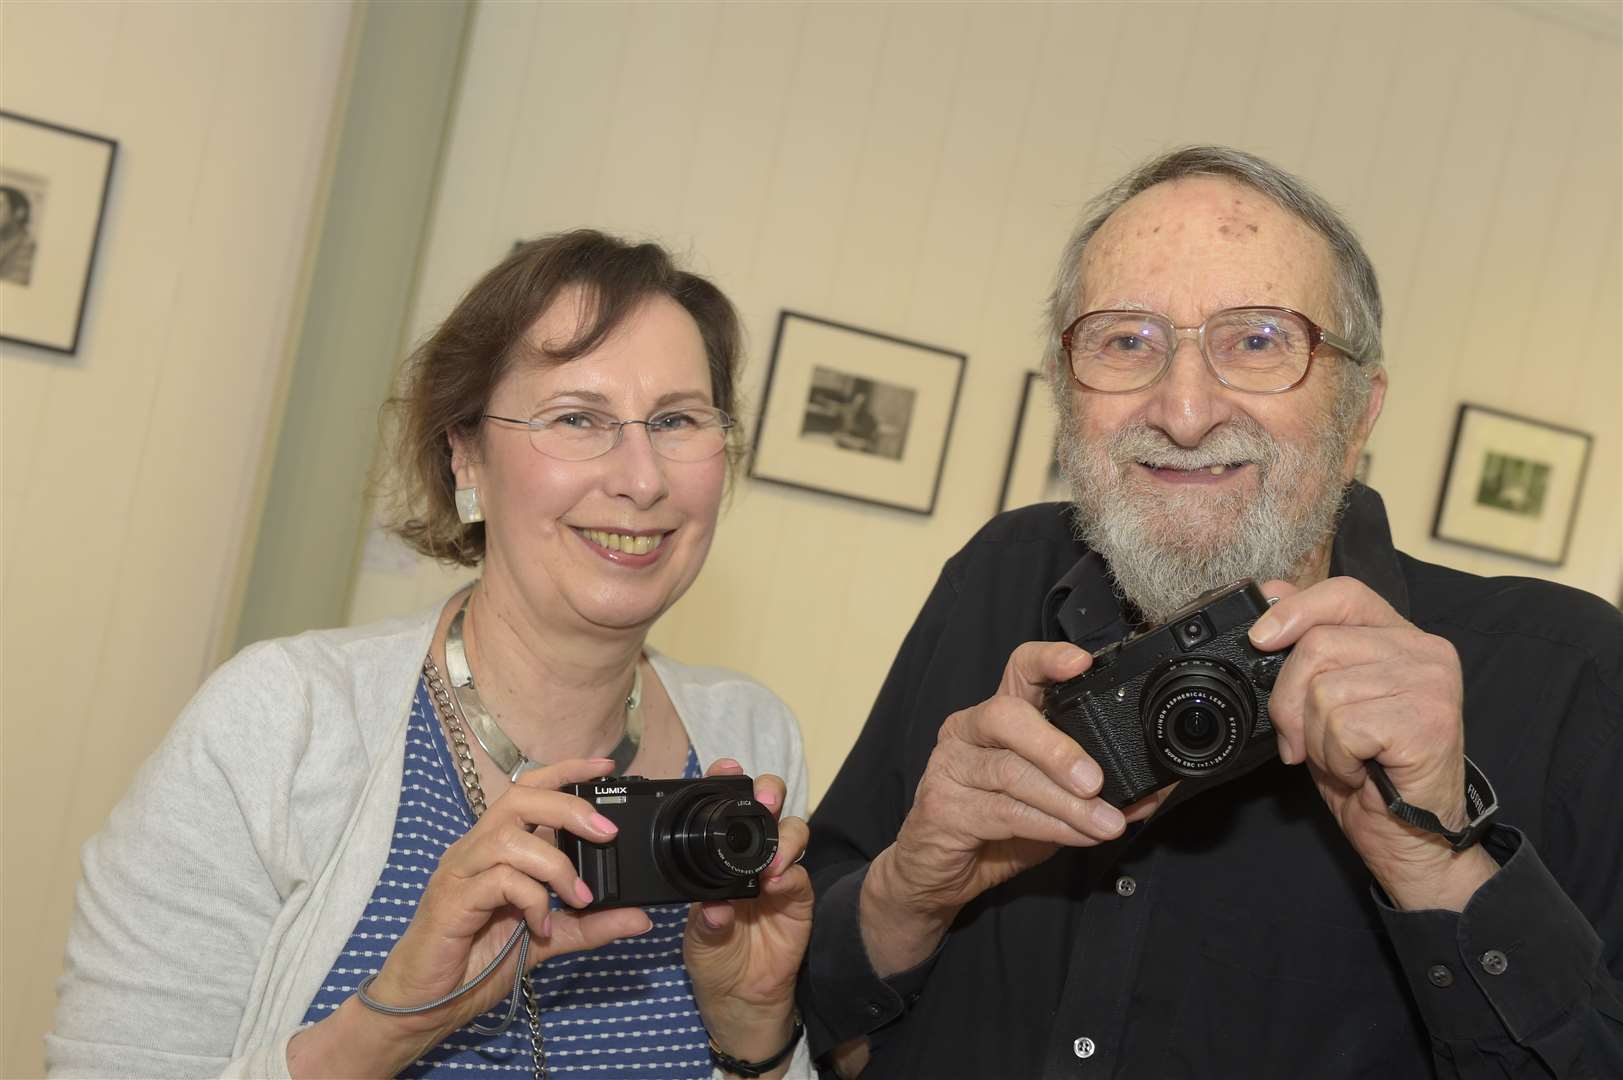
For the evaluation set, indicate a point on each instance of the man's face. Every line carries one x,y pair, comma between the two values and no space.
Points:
1188,485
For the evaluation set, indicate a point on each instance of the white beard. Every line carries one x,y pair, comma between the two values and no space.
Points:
1165,548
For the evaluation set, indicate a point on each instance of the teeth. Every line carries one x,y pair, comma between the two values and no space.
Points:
1218,470
631,545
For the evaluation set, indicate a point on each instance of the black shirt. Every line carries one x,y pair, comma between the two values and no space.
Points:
1237,933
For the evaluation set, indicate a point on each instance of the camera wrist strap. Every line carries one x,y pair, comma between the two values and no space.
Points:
520,937
1481,804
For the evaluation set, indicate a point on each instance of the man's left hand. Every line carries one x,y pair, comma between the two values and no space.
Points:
1364,684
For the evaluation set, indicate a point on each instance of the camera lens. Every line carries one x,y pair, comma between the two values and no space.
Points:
1195,728
709,837
1197,713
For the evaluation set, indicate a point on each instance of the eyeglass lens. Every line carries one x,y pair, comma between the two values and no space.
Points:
574,434
1250,348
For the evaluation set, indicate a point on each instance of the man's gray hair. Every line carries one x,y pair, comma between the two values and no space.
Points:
1356,303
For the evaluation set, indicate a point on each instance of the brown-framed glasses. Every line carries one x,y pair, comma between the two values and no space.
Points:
1260,350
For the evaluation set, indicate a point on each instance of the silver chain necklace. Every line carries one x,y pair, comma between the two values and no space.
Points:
501,749
468,771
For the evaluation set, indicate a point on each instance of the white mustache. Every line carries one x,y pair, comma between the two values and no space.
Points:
1236,442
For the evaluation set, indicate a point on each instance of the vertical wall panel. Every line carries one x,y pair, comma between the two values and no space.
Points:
916,168
130,467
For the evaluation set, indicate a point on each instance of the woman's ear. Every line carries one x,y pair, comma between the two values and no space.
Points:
464,456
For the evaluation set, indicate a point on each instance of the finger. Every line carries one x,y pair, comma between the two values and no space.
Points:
1321,650
712,920
1003,724
1037,664
994,816
525,852
568,771
1348,734
770,792
463,907
577,931
724,767
529,808
793,835
1340,601
1149,804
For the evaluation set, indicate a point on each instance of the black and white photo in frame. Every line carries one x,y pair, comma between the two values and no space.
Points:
1513,485
53,193
856,413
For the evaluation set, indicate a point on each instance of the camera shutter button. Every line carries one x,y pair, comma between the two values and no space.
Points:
1126,886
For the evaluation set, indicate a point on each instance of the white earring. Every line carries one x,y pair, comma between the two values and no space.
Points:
468,510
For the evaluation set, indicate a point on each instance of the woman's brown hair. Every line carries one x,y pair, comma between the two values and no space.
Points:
448,381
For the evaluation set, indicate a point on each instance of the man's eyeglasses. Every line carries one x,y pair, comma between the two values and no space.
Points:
1261,350
571,433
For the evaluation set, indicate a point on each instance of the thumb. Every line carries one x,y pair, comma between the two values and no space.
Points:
1035,665
711,923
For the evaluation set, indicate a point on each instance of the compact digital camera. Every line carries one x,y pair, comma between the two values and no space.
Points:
1186,699
679,840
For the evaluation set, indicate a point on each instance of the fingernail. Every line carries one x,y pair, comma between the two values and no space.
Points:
709,918
546,926
583,892
601,760
1264,630
1284,751
767,797
1108,817
727,763
1086,778
647,925
603,824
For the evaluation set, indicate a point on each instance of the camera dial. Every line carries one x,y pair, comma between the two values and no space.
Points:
1197,713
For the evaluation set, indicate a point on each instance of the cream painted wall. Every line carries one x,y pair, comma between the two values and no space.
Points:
915,168
131,469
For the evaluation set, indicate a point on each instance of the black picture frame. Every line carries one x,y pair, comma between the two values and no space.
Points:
1512,486
1032,473
59,178
856,413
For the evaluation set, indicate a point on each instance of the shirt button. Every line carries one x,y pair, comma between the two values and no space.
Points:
1494,962
1440,975
1126,886
1083,1047
873,1008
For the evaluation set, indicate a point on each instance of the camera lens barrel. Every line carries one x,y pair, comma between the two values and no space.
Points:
711,839
1197,714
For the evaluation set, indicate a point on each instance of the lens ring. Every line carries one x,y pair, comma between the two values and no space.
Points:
711,837
1197,715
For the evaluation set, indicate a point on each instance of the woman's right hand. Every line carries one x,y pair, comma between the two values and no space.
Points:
493,877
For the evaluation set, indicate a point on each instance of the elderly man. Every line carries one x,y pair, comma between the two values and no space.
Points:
1215,354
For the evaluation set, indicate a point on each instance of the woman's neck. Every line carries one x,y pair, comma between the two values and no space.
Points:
557,693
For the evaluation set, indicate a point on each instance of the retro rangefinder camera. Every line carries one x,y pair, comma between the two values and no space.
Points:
1186,699
679,840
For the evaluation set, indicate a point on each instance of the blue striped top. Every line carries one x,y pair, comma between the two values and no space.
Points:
622,1010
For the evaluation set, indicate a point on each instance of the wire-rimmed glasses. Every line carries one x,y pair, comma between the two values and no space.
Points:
1260,350
574,433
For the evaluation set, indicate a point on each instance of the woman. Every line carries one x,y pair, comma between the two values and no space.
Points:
347,826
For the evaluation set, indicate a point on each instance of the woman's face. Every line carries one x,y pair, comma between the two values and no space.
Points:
552,528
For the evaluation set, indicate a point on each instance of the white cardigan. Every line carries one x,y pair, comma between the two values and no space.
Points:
235,868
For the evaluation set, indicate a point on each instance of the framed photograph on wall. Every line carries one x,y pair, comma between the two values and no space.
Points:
53,193
1032,475
856,413
1512,485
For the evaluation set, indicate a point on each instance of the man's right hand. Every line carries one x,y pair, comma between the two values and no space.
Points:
1003,790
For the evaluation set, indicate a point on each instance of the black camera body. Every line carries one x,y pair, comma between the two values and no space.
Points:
1188,699
679,840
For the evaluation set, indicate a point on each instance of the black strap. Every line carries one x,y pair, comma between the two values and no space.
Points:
1481,804
727,1063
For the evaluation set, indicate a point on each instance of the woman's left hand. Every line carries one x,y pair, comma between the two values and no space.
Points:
743,955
